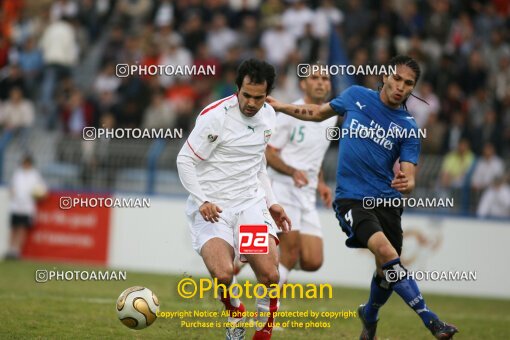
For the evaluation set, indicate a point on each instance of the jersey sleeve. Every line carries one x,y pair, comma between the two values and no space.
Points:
206,134
282,131
339,103
410,148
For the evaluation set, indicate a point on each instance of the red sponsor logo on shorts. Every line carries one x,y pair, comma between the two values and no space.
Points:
253,239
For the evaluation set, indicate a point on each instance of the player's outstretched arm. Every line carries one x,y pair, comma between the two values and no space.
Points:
404,180
312,112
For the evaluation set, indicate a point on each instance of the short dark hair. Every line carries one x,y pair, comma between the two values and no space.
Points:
258,71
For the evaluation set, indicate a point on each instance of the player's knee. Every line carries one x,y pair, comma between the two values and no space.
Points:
385,253
311,265
269,277
224,276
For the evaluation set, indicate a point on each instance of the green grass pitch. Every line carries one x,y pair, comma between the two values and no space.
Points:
86,310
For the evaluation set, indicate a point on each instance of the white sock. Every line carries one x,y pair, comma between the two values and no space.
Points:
264,306
284,274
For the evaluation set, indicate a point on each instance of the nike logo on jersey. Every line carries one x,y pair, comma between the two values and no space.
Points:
251,128
360,106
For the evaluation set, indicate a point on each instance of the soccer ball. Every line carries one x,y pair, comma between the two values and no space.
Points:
137,307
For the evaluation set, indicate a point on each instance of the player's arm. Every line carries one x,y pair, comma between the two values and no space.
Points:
276,162
311,112
404,180
276,210
324,190
198,147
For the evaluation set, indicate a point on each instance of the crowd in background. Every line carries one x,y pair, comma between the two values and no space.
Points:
462,46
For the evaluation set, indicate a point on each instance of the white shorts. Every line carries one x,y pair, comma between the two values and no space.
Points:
227,228
300,208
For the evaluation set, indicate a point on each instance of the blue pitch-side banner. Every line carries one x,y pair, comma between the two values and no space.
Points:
338,56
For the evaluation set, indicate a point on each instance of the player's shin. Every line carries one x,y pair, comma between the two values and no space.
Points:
405,286
380,292
267,306
232,304
284,274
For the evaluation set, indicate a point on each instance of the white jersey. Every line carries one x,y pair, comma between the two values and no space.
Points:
302,145
25,182
231,147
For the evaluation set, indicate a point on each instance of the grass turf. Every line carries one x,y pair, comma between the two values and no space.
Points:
86,310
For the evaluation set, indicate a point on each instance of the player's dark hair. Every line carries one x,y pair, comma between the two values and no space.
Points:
413,65
258,71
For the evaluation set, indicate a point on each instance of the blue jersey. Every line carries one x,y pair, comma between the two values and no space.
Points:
365,165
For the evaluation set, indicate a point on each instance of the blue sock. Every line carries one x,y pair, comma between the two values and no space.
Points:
380,292
408,290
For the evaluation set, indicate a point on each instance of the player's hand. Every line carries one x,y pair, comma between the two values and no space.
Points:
325,194
280,217
210,212
277,106
400,182
300,179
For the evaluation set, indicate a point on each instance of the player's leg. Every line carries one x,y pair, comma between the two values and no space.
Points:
265,267
289,253
289,244
360,225
218,256
387,247
215,243
311,245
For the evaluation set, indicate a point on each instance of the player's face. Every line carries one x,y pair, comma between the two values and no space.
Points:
251,97
316,87
397,87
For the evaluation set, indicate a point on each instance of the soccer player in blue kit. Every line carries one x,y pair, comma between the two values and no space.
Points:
365,169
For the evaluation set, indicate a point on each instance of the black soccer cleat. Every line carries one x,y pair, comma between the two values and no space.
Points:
369,328
441,330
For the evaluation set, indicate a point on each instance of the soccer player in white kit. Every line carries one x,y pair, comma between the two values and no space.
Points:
295,154
223,166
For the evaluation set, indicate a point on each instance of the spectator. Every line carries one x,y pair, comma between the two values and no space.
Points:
487,169
296,17
106,80
16,117
31,64
63,8
326,14
173,53
277,36
308,46
77,114
164,14
495,201
13,79
489,132
474,75
249,35
194,32
458,130
17,112
220,37
159,114
501,79
422,111
478,104
27,186
456,166
60,53
436,131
